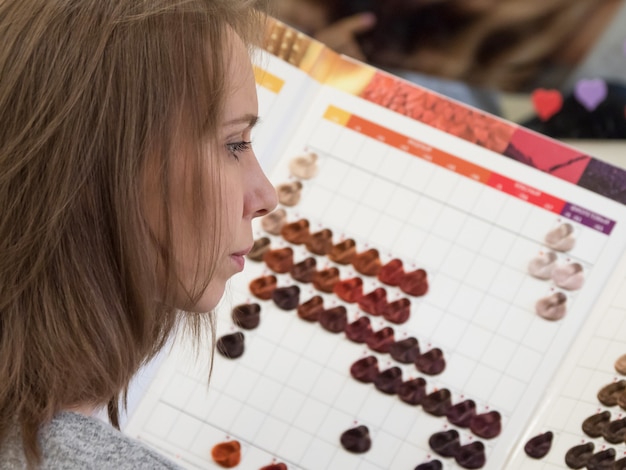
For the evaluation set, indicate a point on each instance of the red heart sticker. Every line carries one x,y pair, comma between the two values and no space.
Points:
547,102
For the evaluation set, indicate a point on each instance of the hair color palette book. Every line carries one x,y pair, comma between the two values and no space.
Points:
438,288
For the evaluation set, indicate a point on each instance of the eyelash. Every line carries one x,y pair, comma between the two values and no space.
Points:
238,147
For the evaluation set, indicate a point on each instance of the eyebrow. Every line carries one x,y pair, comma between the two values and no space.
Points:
251,119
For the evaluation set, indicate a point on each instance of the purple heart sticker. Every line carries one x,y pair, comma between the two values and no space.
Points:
590,93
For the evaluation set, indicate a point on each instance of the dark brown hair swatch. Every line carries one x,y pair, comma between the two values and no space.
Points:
349,290
367,263
539,446
405,351
320,242
595,424
609,394
445,443
412,391
356,440
415,283
471,455
461,413
296,232
486,425
431,362
619,464
391,273
304,271
246,316
578,456
359,330
334,319
326,279
381,340
343,252
286,298
274,221
311,309
279,260
602,460
374,302
227,454
438,402
615,431
389,380
262,287
275,466
231,345
432,465
259,248
398,311
365,370
289,193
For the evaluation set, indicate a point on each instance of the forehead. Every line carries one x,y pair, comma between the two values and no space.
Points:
240,84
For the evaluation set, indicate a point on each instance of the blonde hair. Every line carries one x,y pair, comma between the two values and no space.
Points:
94,95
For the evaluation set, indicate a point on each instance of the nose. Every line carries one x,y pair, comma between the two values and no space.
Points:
261,197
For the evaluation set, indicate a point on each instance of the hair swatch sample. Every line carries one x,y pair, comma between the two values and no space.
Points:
539,446
356,440
305,270
375,302
391,273
320,242
381,340
389,380
461,414
365,370
445,443
569,276
595,424
432,465
286,298
304,166
259,248
246,316
227,454
415,283
367,262
405,351
471,455
398,311
273,222
296,232
279,260
349,290
359,330
231,346
343,252
602,460
275,466
561,238
615,431
289,193
437,403
326,279
262,287
311,309
620,365
578,456
609,394
334,319
431,362
542,265
619,464
486,425
413,391
552,307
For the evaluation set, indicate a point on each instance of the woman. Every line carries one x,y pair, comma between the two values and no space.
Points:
505,44
127,186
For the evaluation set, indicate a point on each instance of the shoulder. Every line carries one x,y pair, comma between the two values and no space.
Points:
73,441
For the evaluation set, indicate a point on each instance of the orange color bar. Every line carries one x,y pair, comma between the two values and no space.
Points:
337,115
268,80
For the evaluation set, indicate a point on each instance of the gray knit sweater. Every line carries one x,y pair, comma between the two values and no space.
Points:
73,441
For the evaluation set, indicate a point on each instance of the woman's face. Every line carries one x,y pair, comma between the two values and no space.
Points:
246,192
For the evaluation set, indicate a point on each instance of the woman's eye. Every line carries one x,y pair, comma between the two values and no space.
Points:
238,147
